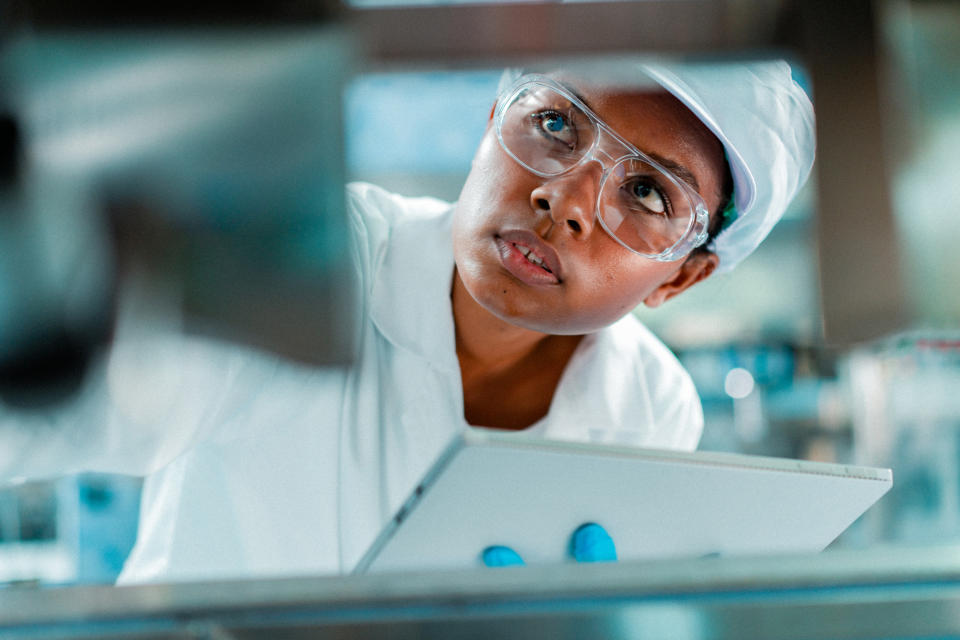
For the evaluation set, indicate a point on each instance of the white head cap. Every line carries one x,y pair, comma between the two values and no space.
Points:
765,122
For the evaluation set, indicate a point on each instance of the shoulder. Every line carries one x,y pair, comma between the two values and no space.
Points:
374,214
376,208
651,374
632,339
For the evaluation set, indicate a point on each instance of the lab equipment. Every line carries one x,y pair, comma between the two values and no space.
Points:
491,487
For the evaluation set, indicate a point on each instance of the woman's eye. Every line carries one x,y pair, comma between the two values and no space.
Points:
648,196
553,123
556,126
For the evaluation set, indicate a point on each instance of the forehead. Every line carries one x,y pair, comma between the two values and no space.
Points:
644,115
655,122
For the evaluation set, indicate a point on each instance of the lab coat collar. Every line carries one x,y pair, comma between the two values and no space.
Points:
410,300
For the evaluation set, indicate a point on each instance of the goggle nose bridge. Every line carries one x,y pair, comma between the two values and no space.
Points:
600,155
598,151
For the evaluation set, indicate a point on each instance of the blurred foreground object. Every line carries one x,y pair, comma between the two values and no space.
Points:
197,173
828,596
906,414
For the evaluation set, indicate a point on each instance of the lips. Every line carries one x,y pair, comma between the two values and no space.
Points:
526,255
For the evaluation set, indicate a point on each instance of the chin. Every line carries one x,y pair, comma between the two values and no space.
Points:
547,323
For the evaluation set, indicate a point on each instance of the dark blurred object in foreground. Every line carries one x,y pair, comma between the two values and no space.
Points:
203,167
10,147
120,13
47,362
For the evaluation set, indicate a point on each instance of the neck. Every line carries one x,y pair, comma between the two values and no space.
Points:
485,340
509,373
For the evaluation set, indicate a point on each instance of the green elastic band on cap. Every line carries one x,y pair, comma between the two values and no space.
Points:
729,213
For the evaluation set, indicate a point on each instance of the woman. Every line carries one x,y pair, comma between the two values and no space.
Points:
509,309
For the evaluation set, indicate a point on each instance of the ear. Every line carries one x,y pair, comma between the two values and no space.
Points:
493,109
698,266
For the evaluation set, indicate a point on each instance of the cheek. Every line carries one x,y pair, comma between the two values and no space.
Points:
496,192
483,167
494,174
614,287
609,299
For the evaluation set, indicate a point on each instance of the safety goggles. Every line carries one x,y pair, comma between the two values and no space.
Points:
641,204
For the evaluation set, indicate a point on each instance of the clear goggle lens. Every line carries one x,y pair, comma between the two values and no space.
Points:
642,205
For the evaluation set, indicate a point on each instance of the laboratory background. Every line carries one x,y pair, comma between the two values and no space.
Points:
771,379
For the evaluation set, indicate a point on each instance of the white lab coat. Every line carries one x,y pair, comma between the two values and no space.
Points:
257,467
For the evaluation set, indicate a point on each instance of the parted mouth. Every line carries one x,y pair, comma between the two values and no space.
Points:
529,254
535,250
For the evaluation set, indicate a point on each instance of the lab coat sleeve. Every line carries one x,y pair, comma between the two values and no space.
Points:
654,405
159,393
682,417
675,410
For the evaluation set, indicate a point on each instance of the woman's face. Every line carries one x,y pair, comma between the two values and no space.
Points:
504,212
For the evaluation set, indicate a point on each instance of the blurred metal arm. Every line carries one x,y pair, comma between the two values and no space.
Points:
861,281
498,32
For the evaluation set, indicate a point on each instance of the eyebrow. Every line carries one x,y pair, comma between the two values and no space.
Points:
678,170
674,167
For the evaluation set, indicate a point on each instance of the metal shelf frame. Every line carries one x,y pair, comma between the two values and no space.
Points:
892,593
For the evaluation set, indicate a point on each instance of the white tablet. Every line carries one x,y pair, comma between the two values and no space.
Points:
530,494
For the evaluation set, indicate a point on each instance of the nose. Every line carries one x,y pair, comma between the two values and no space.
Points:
570,199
